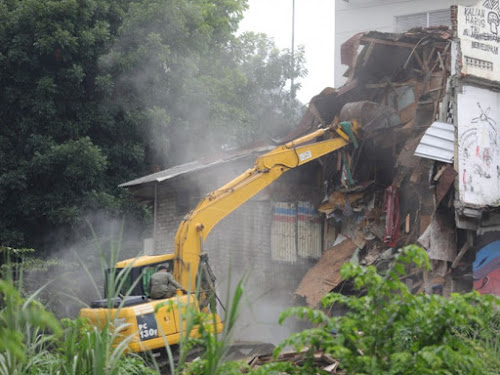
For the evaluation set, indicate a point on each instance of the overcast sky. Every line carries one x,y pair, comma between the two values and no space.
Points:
314,29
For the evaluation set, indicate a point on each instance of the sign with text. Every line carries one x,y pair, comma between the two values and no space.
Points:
147,326
479,32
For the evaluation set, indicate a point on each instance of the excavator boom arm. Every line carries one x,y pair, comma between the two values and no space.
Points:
268,167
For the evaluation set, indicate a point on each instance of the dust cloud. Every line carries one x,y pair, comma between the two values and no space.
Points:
268,286
75,277
259,316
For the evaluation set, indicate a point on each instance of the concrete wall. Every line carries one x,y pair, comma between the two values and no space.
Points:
357,16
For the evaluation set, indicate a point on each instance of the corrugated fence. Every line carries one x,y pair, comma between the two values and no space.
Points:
295,232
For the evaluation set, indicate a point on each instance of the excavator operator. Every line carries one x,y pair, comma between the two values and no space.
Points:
163,285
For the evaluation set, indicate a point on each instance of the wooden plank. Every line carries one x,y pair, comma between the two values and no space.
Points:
430,56
414,54
427,283
387,42
463,250
440,172
441,63
315,113
368,52
419,60
385,84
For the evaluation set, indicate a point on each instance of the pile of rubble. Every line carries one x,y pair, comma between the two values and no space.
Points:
397,187
323,362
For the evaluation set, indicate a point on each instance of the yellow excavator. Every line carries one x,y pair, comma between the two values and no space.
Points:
149,321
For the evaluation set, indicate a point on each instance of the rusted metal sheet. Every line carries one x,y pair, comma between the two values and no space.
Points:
349,50
325,275
283,232
372,116
445,182
392,220
309,239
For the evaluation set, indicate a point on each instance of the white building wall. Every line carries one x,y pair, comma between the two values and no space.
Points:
355,16
478,111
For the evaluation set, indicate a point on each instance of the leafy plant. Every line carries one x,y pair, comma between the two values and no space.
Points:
388,330
198,329
216,348
27,330
90,350
33,341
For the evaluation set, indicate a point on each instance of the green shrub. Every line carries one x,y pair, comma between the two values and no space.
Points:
33,341
388,330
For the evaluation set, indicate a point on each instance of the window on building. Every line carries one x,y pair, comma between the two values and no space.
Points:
426,19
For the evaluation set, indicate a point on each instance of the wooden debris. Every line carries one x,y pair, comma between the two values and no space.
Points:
463,250
322,361
440,172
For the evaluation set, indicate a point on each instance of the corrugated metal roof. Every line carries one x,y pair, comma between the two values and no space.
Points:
192,167
438,143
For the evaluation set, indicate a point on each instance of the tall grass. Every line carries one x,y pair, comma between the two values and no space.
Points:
34,341
214,347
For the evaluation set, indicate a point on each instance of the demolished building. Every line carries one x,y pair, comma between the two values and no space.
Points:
427,171
432,96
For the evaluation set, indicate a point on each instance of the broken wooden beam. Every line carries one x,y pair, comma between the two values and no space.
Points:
463,250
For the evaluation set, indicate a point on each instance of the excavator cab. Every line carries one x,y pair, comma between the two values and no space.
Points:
128,282
133,281
147,321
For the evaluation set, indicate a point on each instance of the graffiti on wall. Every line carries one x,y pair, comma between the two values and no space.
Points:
479,33
486,269
479,146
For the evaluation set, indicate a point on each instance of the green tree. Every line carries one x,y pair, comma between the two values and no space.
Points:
191,85
97,92
50,165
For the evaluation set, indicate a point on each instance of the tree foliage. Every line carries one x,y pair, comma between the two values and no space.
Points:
98,92
50,163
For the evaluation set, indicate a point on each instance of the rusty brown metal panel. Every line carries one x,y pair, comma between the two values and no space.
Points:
325,275
372,116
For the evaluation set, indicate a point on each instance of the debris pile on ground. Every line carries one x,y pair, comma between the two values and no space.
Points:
323,362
